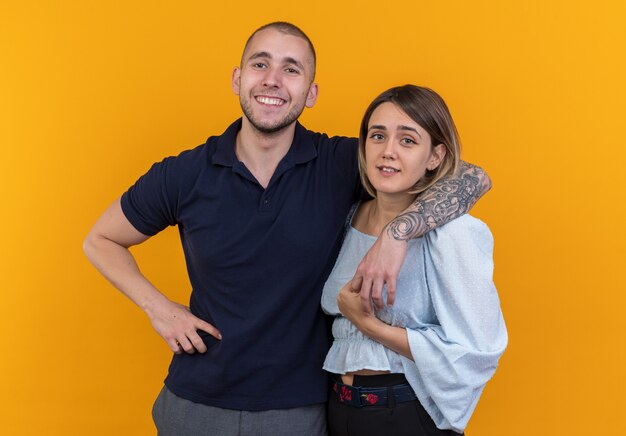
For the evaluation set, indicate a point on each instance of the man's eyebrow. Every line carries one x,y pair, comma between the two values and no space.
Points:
267,55
260,54
297,63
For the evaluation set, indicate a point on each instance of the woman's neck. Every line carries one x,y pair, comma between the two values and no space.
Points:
377,213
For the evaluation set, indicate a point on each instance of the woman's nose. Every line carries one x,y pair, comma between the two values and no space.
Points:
390,150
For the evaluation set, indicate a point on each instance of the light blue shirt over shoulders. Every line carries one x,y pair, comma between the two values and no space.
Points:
448,303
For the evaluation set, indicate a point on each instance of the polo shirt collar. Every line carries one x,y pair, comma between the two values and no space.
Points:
301,151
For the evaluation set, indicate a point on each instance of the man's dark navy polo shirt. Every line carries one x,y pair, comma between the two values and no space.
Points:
257,261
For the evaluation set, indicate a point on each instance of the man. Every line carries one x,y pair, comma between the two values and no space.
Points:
261,211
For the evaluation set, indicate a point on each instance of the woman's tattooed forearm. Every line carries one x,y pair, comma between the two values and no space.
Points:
446,200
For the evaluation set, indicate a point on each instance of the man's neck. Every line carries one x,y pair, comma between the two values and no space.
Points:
261,152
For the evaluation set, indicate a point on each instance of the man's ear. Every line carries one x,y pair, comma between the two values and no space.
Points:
311,97
236,80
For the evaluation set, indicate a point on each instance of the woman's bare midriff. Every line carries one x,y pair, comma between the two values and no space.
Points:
348,378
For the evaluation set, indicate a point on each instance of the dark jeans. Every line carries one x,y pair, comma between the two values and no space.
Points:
399,419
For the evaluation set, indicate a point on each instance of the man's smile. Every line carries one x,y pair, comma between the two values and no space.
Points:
269,101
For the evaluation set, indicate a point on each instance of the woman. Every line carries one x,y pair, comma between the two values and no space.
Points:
419,366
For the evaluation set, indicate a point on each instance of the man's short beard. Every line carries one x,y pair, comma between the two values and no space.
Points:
280,125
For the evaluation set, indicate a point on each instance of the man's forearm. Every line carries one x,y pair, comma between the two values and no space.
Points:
446,200
106,246
118,266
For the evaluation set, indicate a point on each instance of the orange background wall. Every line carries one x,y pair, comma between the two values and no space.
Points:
91,93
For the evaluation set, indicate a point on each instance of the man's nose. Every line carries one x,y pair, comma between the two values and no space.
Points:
271,78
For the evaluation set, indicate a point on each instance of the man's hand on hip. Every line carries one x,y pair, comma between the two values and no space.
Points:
178,326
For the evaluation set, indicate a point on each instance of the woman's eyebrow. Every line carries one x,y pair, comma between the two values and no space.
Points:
401,127
410,129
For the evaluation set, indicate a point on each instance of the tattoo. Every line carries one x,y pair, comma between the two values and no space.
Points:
446,200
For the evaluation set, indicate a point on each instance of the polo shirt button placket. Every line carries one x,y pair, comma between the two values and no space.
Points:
266,203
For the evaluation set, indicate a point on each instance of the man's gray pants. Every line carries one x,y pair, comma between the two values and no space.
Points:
175,416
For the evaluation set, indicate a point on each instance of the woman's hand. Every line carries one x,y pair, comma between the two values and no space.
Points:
349,303
395,338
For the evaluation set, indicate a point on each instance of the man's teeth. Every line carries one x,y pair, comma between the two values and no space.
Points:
270,101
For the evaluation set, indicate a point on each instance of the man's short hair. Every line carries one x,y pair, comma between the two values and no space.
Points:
288,29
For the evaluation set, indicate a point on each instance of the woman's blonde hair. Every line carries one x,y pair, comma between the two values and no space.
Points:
426,108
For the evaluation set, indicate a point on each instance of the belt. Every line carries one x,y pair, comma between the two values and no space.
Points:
356,396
